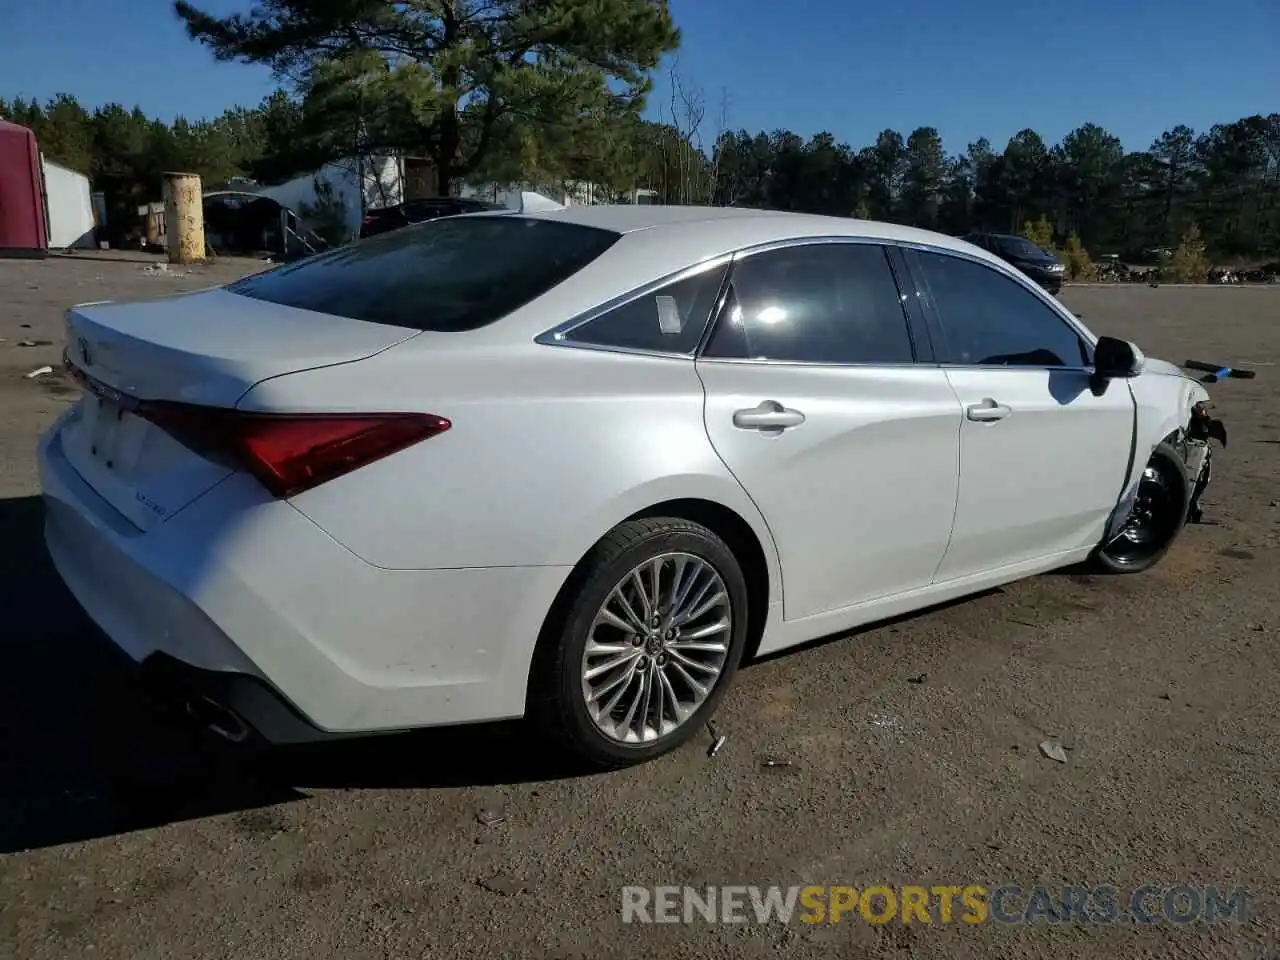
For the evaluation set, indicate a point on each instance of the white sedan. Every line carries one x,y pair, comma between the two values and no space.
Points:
576,464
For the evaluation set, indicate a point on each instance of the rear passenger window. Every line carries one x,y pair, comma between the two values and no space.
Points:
991,320
672,319
821,303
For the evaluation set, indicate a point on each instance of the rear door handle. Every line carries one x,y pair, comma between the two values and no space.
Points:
769,417
987,411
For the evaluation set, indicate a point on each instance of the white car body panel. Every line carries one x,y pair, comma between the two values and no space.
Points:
209,347
634,422
783,634
1015,504
411,591
205,348
1163,398
353,647
873,463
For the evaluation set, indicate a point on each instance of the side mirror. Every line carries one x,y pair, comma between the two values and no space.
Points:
1116,359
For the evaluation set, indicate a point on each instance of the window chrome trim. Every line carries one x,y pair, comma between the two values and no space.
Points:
1014,368
832,365
557,336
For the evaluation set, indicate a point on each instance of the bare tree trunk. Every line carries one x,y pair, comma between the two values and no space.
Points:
688,109
722,126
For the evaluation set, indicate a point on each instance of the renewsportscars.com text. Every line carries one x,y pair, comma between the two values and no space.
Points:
936,904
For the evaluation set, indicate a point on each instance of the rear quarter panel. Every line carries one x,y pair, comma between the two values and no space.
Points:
550,447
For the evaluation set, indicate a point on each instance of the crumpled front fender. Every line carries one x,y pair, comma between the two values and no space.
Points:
1164,401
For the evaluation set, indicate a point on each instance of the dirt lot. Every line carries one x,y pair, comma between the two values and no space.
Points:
119,836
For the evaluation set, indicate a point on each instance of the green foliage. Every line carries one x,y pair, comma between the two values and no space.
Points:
1040,233
462,82
1188,263
1226,182
1077,260
326,217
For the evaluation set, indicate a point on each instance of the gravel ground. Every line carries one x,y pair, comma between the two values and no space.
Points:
122,836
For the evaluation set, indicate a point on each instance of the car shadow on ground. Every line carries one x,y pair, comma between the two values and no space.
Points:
85,752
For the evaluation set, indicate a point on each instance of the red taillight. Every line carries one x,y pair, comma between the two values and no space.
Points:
290,453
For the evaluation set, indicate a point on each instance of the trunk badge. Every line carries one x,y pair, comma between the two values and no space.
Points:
83,346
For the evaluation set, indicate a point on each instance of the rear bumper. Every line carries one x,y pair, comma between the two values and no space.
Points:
254,601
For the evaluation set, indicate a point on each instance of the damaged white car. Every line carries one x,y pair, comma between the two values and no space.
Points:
575,465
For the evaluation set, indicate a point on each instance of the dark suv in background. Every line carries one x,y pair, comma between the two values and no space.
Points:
381,219
1038,264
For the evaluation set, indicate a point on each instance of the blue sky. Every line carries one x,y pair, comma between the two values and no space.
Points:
968,67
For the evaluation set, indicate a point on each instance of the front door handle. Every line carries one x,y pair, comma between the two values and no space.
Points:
769,417
987,411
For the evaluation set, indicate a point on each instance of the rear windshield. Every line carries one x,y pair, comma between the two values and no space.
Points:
444,275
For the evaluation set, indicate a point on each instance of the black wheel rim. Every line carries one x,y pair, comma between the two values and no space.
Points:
1152,521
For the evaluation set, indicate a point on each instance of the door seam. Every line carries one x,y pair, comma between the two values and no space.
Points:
955,506
782,584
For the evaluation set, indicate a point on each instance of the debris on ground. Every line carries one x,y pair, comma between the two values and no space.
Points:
918,679
35,343
885,721
775,762
503,886
1053,750
1165,696
38,372
492,817
717,742
162,270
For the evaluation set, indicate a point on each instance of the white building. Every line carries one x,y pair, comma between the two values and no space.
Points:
355,183
68,207
358,184
574,193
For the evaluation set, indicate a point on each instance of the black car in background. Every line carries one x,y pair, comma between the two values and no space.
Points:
381,219
1038,264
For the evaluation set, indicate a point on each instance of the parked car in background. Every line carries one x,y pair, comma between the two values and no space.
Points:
1038,264
381,219
576,464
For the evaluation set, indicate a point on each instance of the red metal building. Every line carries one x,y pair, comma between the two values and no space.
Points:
22,214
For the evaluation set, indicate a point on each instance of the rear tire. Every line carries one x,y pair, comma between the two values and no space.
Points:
618,678
1159,513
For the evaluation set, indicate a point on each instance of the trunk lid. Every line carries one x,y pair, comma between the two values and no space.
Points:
210,347
207,348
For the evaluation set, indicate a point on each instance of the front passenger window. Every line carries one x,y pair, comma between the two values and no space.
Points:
992,320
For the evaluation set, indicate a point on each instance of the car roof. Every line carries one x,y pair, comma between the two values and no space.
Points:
629,218
659,242
696,233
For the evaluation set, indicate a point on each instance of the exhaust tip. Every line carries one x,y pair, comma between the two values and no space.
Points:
217,719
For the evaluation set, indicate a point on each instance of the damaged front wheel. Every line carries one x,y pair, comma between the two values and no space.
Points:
1156,518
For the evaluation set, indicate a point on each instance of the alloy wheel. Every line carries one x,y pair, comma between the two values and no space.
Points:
1152,520
656,648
